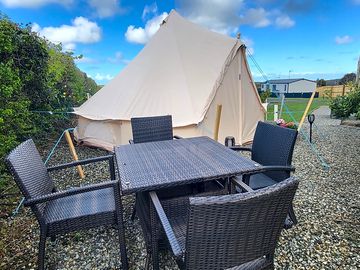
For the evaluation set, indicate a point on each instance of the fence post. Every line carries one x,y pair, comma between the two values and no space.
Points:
217,122
276,112
343,90
306,110
73,152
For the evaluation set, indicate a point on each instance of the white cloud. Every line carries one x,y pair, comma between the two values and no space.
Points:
85,60
35,28
69,46
217,15
81,31
225,16
257,17
284,21
105,8
343,40
118,59
103,77
142,35
152,9
33,3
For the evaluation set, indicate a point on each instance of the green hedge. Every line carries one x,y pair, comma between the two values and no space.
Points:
35,75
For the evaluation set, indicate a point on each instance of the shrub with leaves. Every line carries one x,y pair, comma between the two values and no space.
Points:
344,106
35,75
265,95
23,68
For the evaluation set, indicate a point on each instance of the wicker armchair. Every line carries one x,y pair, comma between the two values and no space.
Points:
60,212
238,231
159,128
273,148
156,128
151,129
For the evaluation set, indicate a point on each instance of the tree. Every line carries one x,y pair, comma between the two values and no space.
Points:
320,82
265,95
23,68
349,77
69,86
35,75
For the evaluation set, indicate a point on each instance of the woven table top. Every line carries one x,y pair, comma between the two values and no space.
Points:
157,165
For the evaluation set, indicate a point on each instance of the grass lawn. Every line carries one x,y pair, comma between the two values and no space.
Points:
295,105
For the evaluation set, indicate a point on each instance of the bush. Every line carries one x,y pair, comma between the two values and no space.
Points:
35,75
358,113
265,95
344,106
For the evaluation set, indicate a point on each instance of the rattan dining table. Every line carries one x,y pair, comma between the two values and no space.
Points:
157,165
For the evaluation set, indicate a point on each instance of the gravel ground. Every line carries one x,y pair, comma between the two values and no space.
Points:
327,206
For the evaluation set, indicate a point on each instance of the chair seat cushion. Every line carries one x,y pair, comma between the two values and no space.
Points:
84,210
260,180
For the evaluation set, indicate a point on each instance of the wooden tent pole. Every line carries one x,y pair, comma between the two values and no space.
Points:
217,122
306,110
73,153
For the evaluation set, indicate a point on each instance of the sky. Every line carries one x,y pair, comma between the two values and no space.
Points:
288,39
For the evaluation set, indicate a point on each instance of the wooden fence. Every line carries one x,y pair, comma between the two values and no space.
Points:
333,91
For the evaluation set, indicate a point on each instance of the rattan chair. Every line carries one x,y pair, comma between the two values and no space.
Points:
237,231
60,212
151,129
159,128
273,148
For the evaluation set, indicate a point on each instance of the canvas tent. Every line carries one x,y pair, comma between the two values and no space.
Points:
185,70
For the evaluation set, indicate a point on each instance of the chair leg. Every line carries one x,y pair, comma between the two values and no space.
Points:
246,179
291,219
147,261
292,214
154,238
121,233
133,214
41,255
180,264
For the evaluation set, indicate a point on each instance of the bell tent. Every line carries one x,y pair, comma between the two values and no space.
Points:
185,70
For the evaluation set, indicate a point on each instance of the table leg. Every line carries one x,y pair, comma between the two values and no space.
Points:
154,237
121,228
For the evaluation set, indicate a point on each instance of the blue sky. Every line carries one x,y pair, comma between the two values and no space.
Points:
311,39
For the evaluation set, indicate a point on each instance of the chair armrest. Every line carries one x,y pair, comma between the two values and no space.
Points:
272,169
80,162
240,148
70,192
175,246
131,141
177,137
241,184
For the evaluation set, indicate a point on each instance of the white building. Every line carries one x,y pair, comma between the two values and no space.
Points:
289,86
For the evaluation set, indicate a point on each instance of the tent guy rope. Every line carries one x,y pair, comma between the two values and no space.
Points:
312,146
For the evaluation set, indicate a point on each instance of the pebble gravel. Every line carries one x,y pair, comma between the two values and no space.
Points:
327,205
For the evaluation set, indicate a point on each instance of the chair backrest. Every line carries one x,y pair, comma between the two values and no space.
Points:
274,145
227,231
30,173
154,128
